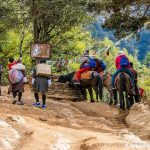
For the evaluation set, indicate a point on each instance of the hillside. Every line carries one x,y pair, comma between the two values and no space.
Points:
139,41
67,125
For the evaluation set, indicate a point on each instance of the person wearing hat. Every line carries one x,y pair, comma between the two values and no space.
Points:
121,68
85,66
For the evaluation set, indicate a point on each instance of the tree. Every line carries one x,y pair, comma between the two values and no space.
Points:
122,16
52,18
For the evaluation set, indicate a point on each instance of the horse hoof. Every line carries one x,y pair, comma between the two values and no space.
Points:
92,101
110,103
128,108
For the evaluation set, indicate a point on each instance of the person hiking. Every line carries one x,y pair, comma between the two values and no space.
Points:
11,63
17,87
122,65
87,64
101,66
1,72
40,84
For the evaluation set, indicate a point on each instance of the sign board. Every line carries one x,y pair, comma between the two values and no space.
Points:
40,50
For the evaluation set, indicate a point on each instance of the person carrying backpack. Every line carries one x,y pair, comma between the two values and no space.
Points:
87,64
101,66
122,65
16,78
40,84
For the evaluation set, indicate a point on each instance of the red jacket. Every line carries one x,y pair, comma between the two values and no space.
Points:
11,64
117,61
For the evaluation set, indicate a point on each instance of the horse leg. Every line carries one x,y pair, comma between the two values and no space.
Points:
123,101
96,91
131,100
100,87
127,100
115,97
111,97
83,92
78,89
91,94
121,98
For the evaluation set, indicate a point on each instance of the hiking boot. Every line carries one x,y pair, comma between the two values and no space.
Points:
37,104
43,106
14,101
20,103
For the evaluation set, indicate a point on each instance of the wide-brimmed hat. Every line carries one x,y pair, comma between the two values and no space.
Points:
121,52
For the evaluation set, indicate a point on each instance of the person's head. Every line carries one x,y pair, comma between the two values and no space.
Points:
11,59
121,52
86,53
131,64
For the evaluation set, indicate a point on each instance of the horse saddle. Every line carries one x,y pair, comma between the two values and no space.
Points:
86,75
126,76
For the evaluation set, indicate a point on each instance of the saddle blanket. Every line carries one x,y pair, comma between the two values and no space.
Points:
86,75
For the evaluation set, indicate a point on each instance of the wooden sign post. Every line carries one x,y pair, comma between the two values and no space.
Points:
40,50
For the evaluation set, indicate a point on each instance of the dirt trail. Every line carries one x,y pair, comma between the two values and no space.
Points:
65,125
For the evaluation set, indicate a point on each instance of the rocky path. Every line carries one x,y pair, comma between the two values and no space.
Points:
67,125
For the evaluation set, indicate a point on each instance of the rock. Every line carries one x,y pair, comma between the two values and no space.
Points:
9,137
17,119
42,119
139,119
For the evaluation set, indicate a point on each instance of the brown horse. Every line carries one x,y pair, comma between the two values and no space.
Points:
123,85
95,82
107,84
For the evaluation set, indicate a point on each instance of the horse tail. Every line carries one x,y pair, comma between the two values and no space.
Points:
100,87
122,81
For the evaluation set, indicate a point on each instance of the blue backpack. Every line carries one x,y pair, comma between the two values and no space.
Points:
124,62
103,65
92,62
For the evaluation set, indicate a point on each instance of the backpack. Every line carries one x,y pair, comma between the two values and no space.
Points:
15,75
124,62
92,62
103,65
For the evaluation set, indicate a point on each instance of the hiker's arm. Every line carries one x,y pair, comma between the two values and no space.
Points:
82,64
85,60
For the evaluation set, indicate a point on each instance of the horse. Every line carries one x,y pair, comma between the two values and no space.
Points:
95,82
123,84
107,84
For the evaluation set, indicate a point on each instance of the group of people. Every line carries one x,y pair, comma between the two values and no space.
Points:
122,64
88,62
39,83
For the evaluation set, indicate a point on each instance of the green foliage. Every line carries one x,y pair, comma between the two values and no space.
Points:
74,66
10,47
147,59
123,16
71,43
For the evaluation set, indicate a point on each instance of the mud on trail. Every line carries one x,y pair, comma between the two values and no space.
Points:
67,125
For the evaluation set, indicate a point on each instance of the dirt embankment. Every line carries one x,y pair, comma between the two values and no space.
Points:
66,125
